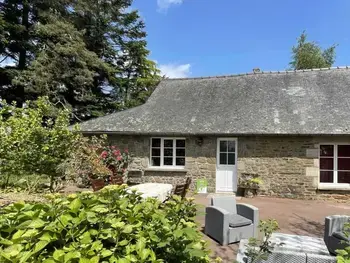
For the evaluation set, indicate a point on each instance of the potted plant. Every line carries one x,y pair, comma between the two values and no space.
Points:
117,162
98,174
250,183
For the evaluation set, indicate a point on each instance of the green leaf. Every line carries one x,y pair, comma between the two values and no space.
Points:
30,233
46,236
95,259
65,219
58,254
123,243
85,238
75,205
19,205
140,244
5,242
13,250
197,253
25,256
127,229
97,245
106,253
84,260
37,223
71,255
144,254
18,234
40,246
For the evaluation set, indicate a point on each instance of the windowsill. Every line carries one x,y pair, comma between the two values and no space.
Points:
166,169
339,187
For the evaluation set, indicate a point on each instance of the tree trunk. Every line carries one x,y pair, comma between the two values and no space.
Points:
22,62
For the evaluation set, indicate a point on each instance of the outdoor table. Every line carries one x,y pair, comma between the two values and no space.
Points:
155,190
293,248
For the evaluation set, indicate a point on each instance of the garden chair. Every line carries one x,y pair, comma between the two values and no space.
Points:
228,222
181,189
333,234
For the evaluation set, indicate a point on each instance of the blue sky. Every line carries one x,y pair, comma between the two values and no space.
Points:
191,38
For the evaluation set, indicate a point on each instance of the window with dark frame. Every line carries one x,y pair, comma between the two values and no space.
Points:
168,152
335,163
227,152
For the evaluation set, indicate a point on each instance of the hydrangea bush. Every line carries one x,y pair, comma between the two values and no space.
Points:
112,225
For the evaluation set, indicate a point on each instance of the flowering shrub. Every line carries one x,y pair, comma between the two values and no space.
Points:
112,225
85,162
115,159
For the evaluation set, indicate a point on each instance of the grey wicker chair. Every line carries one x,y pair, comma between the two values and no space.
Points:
333,233
228,222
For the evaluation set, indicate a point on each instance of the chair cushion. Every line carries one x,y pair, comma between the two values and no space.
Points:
340,235
238,221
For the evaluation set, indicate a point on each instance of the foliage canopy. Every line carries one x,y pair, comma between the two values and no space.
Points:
309,55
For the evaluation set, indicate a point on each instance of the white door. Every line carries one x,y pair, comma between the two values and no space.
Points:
226,168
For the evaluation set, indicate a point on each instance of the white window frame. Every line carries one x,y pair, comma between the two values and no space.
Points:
174,166
335,183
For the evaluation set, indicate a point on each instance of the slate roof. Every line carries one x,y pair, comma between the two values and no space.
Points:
289,102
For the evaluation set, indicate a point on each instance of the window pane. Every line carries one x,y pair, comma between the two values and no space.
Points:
231,146
343,164
231,158
168,152
223,146
180,161
155,152
223,158
168,161
326,176
155,142
180,152
180,143
168,143
155,161
344,177
326,150
326,163
344,150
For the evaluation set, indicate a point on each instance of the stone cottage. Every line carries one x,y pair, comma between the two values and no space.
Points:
291,128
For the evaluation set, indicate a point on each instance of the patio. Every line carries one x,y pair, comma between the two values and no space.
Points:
300,217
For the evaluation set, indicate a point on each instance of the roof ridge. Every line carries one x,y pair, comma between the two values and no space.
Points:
261,73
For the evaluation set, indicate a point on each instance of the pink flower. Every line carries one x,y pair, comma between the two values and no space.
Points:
116,152
119,158
113,147
104,154
126,151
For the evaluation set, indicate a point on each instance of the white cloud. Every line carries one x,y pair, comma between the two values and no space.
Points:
175,71
163,5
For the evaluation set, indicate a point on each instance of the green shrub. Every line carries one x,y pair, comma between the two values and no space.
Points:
259,249
112,225
34,140
343,255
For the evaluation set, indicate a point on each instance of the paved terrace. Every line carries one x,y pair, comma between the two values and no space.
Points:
300,217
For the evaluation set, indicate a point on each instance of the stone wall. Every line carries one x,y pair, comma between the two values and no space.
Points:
281,162
288,165
200,161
